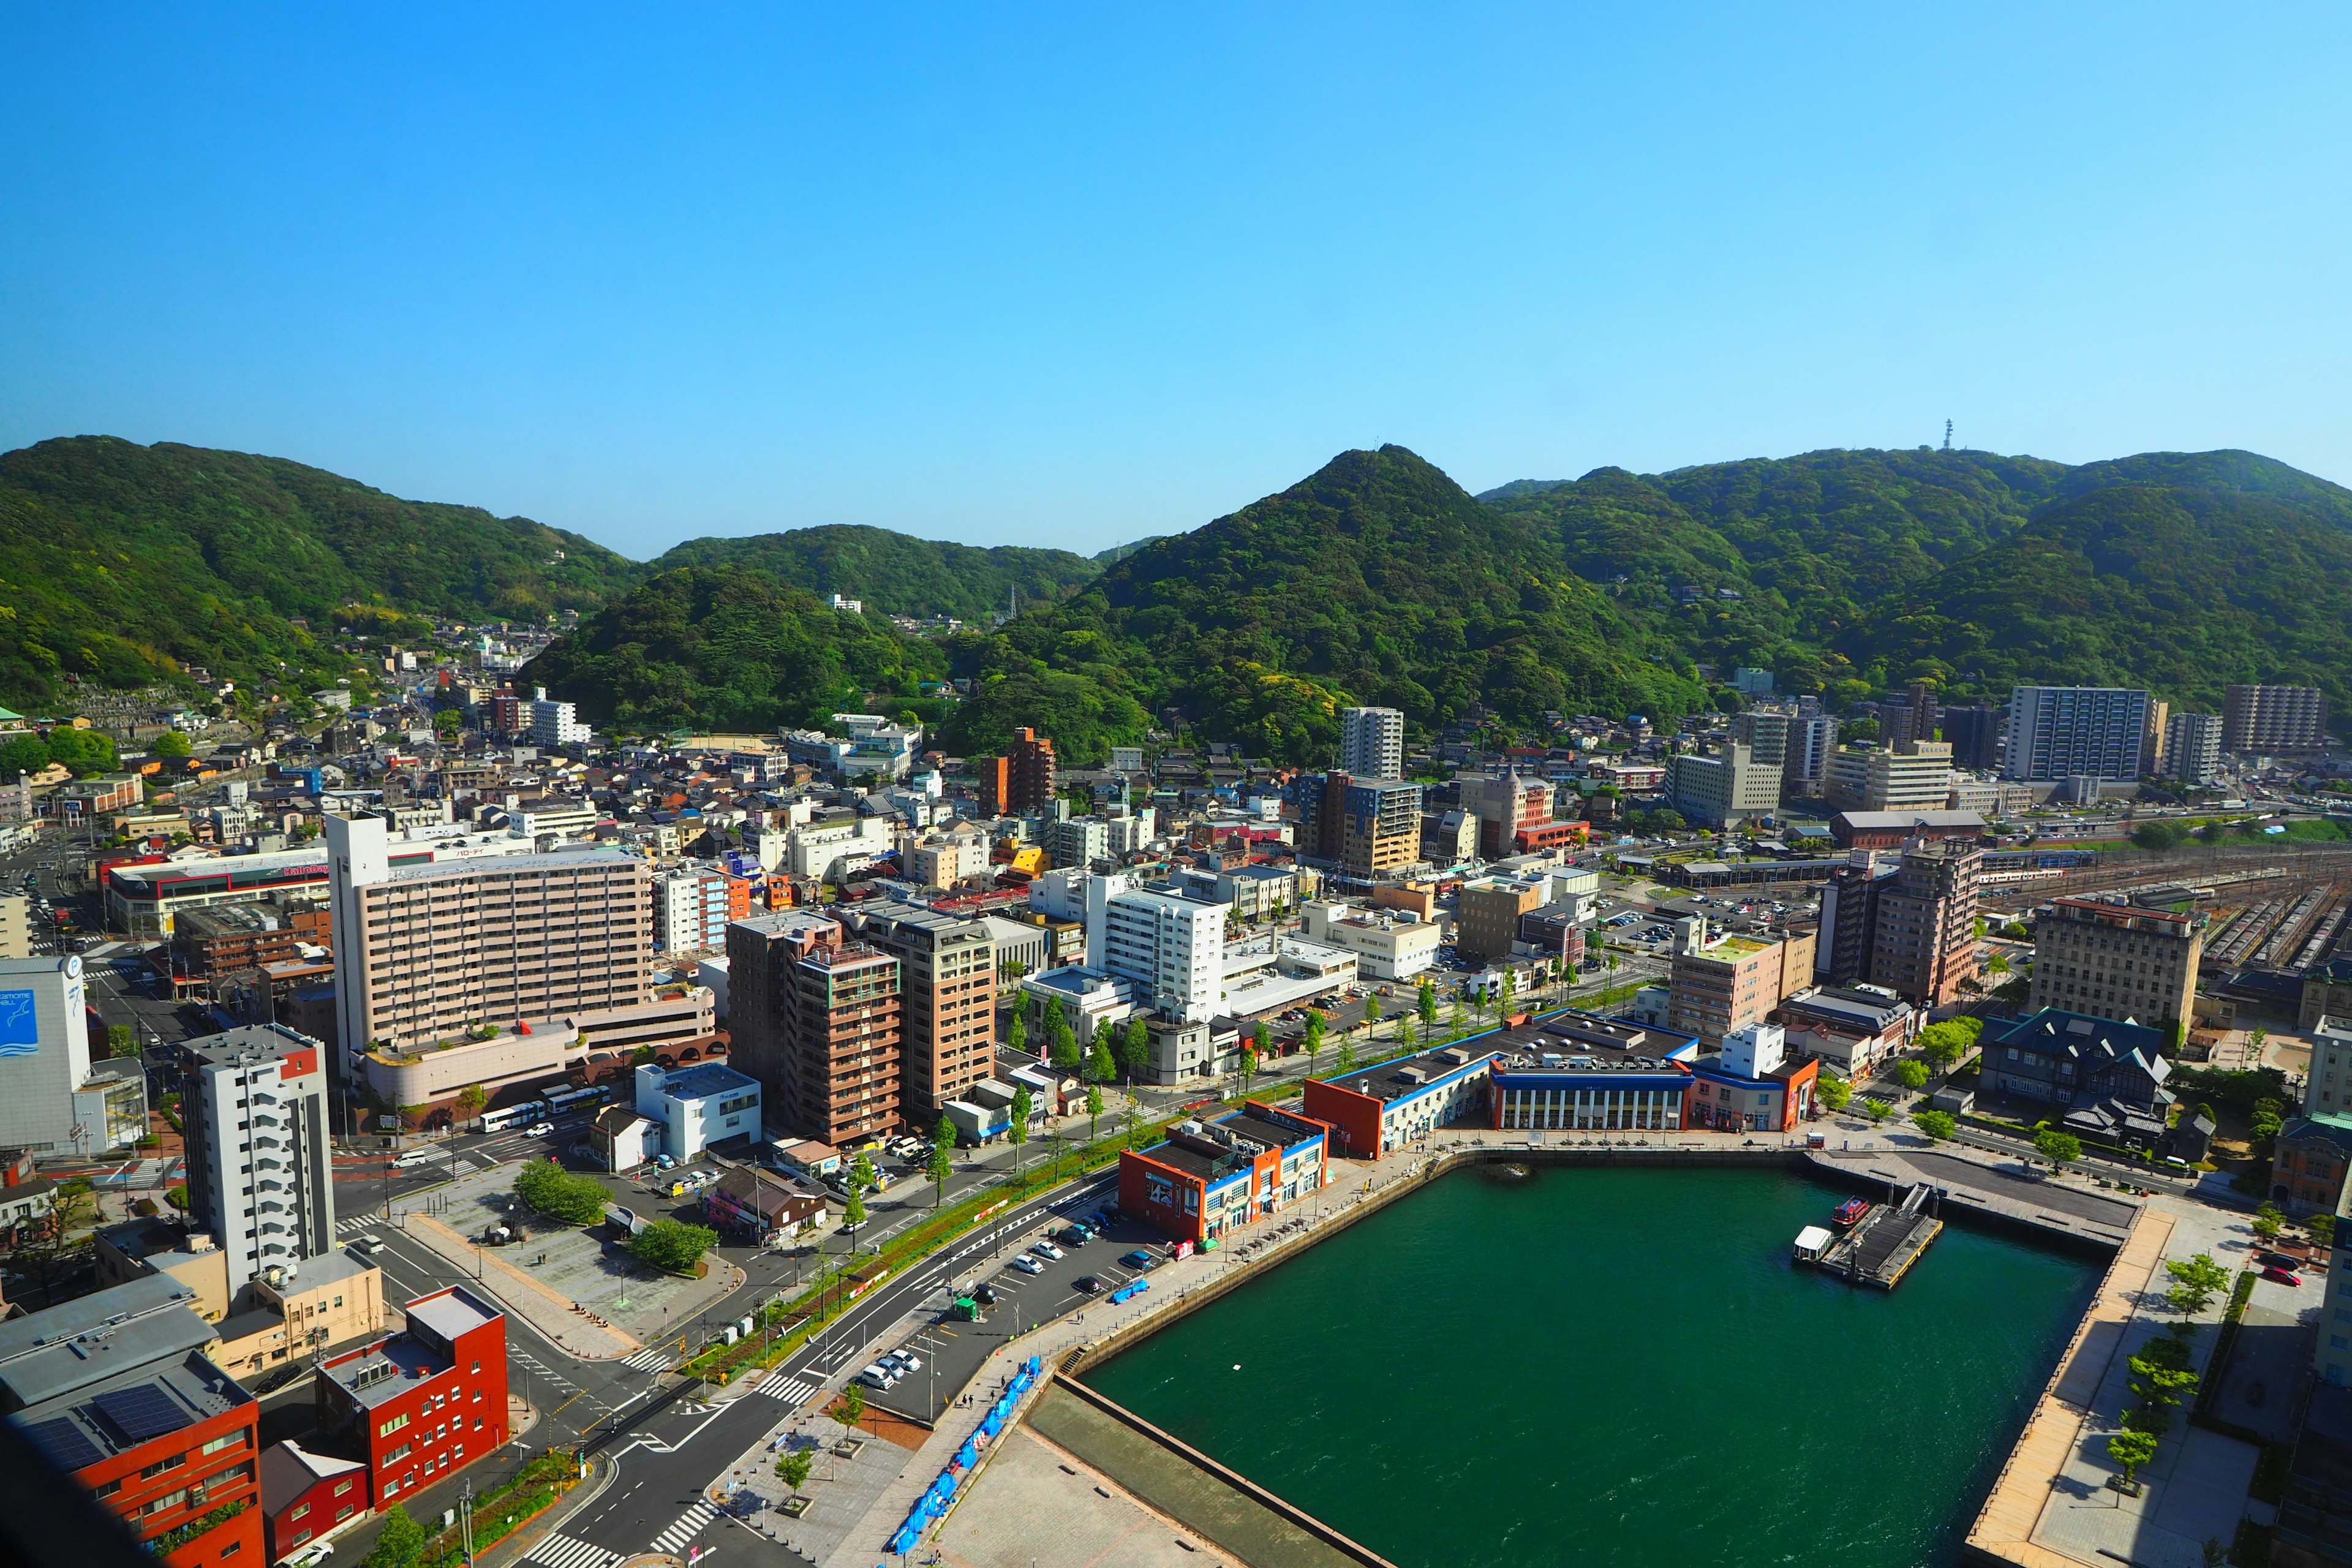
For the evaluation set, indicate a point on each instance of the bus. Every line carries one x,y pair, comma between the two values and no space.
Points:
566,1097
523,1115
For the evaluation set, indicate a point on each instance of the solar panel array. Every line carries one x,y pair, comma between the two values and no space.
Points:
64,1442
144,1412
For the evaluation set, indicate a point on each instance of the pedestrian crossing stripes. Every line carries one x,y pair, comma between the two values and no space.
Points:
791,1390
657,1359
545,1371
357,1222
563,1551
688,1525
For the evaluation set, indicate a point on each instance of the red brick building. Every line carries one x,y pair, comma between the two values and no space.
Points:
417,1406
115,1388
306,1496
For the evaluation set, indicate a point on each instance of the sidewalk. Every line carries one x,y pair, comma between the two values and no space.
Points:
552,1314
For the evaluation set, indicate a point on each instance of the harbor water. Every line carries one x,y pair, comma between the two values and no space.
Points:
1617,1366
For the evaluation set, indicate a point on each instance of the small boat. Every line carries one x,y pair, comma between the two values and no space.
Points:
1850,1212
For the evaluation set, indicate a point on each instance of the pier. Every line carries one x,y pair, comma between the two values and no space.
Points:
1884,1245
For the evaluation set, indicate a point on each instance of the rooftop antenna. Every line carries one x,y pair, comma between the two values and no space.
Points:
1948,435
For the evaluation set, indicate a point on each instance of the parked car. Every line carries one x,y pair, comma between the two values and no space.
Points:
1048,1249
1087,1284
906,1361
1138,1260
2282,1276
2277,1260
1028,1264
1078,1234
878,1377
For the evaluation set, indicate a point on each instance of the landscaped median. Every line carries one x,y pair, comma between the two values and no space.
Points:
497,1514
783,1326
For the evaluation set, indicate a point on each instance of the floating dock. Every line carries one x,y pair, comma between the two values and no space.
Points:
1889,1239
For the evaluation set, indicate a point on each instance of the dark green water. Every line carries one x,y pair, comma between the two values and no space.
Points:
1617,1367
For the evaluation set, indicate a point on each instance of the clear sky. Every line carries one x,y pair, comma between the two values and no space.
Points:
1071,276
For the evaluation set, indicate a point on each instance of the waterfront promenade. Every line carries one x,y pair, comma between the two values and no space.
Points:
851,1515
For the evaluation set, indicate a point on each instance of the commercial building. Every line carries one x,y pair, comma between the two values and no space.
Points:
1733,982
2117,960
815,1019
1372,742
1171,947
2193,748
1025,778
1488,917
53,1098
424,952
2274,720
16,927
2058,732
1923,942
1577,1072
1908,776
2326,994
1514,814
1723,790
1267,974
555,724
1893,830
2072,1059
259,1157
287,1316
417,1406
746,1200
1750,1085
947,1001
1388,945
1855,1029
1210,1179
2311,1158
116,1389
1378,1109
698,1106
210,944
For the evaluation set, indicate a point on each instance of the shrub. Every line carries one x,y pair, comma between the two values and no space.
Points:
550,1189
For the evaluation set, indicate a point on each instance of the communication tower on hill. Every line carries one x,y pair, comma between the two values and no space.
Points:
1948,435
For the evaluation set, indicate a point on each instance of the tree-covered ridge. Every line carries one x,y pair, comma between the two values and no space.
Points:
1376,580
122,562
894,573
728,650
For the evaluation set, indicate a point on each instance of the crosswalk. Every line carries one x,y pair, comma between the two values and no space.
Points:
563,1551
657,1358
689,1525
540,1367
350,1224
784,1386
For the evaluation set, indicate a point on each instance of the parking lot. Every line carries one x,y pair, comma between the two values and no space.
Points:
953,1351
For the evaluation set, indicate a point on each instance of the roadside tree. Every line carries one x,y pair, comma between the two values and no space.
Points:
1017,1133
672,1245
2060,1148
1938,1125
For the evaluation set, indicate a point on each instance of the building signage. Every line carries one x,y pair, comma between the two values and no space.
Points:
20,1025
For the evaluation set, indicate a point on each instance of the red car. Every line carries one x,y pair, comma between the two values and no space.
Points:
2282,1276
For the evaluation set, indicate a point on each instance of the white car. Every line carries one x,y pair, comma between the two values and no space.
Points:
1048,1249
539,1130
1028,1264
878,1377
904,1362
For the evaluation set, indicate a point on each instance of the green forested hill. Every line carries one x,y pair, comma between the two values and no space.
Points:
1377,580
120,563
894,573
729,650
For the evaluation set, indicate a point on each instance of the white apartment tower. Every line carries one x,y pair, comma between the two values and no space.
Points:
554,723
260,1167
2193,747
1372,742
1172,946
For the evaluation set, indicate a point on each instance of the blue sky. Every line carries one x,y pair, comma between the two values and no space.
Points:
1071,276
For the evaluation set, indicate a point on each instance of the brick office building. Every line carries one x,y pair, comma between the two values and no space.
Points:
418,1405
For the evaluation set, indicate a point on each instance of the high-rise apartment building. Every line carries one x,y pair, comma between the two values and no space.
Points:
1911,717
1765,732
1909,775
425,950
1368,826
1725,789
1923,944
1173,947
946,989
2265,721
1024,779
1850,917
2117,960
260,1165
691,909
2151,750
2058,732
1733,982
554,723
1974,736
1514,812
815,1019
1813,739
2193,748
1372,742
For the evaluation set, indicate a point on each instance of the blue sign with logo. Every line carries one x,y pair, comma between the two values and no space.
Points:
20,1025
